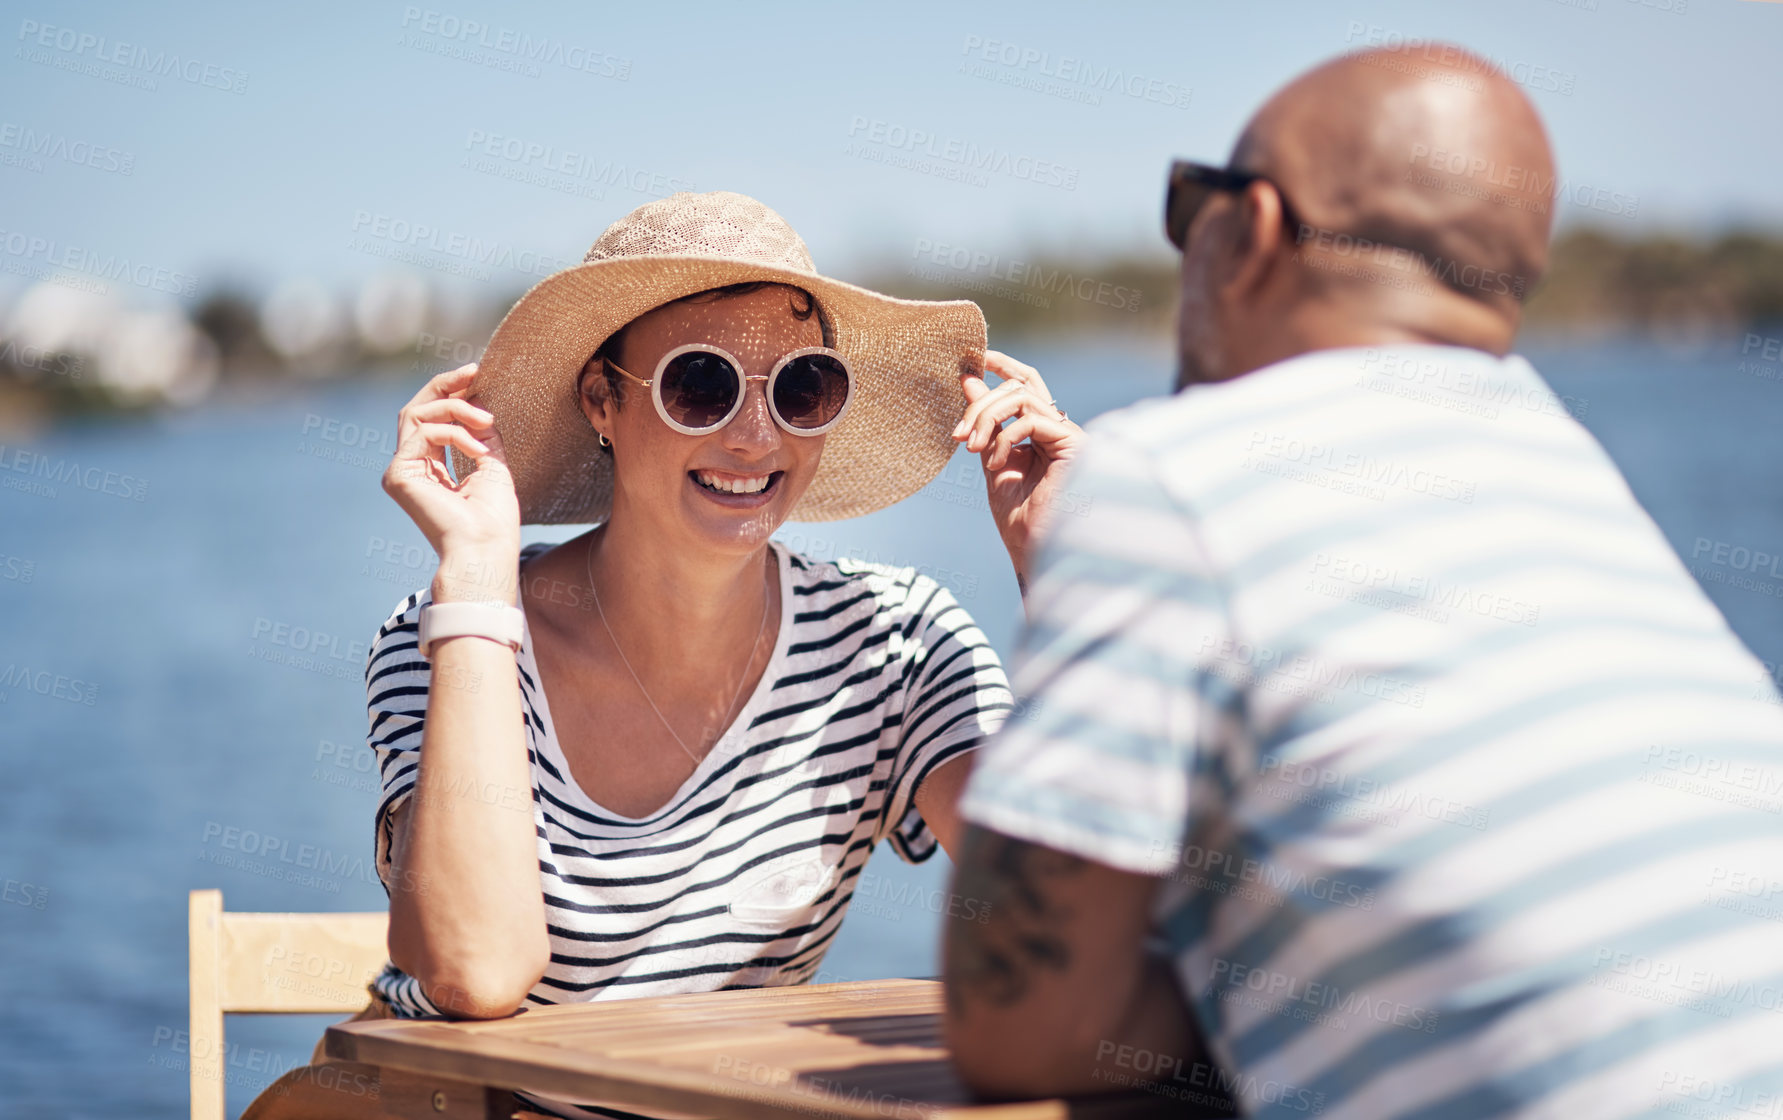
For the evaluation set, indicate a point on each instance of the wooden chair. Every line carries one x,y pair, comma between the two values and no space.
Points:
260,963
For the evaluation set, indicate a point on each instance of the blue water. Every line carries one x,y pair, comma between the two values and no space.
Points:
156,737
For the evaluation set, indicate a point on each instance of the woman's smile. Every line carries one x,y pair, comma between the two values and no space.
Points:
738,491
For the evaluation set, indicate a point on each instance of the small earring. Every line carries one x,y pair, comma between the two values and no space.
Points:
602,437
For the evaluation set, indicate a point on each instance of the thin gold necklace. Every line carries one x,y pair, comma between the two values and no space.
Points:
760,627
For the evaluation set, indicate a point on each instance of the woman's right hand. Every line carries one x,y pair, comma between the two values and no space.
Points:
472,930
473,524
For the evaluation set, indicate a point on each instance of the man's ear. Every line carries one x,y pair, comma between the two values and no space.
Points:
1262,234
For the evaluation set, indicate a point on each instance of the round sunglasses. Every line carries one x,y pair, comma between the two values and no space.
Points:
698,388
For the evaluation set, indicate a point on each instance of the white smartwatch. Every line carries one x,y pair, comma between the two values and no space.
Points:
499,622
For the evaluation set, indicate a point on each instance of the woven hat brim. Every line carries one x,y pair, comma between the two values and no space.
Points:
907,356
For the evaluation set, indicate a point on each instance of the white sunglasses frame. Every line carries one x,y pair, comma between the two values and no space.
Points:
655,384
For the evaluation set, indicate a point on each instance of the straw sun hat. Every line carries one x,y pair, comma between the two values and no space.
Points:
906,355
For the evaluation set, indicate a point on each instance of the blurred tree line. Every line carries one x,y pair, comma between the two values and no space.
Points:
1661,282
1597,282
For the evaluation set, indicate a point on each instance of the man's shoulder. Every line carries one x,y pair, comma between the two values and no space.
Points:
1147,424
1166,424
1367,388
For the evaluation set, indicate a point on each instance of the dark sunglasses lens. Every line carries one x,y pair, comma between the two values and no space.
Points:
698,388
1185,201
811,390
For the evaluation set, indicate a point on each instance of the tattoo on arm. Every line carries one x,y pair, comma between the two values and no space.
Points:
994,962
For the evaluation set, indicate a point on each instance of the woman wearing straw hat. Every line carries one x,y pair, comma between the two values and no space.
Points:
665,771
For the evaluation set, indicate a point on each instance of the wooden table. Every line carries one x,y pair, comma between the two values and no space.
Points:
869,1050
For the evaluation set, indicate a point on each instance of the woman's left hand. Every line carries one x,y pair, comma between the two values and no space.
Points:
1024,481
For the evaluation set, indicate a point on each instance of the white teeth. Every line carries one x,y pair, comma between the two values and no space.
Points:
734,485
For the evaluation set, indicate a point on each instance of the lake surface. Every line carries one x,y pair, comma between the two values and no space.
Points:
159,711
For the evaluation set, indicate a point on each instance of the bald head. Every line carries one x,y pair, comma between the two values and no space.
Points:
1429,148
1412,198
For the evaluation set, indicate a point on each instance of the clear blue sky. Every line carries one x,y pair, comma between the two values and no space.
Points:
353,110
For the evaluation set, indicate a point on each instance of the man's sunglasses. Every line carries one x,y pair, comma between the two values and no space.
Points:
698,388
1192,184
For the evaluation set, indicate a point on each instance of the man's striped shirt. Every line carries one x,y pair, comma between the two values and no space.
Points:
1465,797
878,677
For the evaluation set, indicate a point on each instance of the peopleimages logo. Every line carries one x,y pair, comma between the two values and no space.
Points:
34,145
27,248
1737,565
1739,557
1297,674
973,162
975,263
1360,466
423,238
1367,581
548,165
23,894
1685,983
137,65
1308,1000
32,471
1063,76
504,48
1450,65
1462,387
1229,874
42,682
1167,1075
1398,802
1770,349
1415,267
310,865
1479,177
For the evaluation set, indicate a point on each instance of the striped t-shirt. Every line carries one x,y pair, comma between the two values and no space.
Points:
1465,799
878,676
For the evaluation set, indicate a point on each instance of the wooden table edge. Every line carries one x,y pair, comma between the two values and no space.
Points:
502,1063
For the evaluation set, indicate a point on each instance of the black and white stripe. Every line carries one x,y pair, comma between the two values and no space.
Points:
878,676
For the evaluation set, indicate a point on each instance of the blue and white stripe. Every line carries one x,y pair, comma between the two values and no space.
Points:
1468,801
742,879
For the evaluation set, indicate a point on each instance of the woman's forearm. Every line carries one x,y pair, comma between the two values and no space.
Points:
467,914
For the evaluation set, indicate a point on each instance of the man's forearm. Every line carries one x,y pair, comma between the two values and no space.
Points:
1045,996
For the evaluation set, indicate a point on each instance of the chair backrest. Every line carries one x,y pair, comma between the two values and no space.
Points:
315,963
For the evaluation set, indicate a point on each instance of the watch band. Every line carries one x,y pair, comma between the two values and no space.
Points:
498,622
